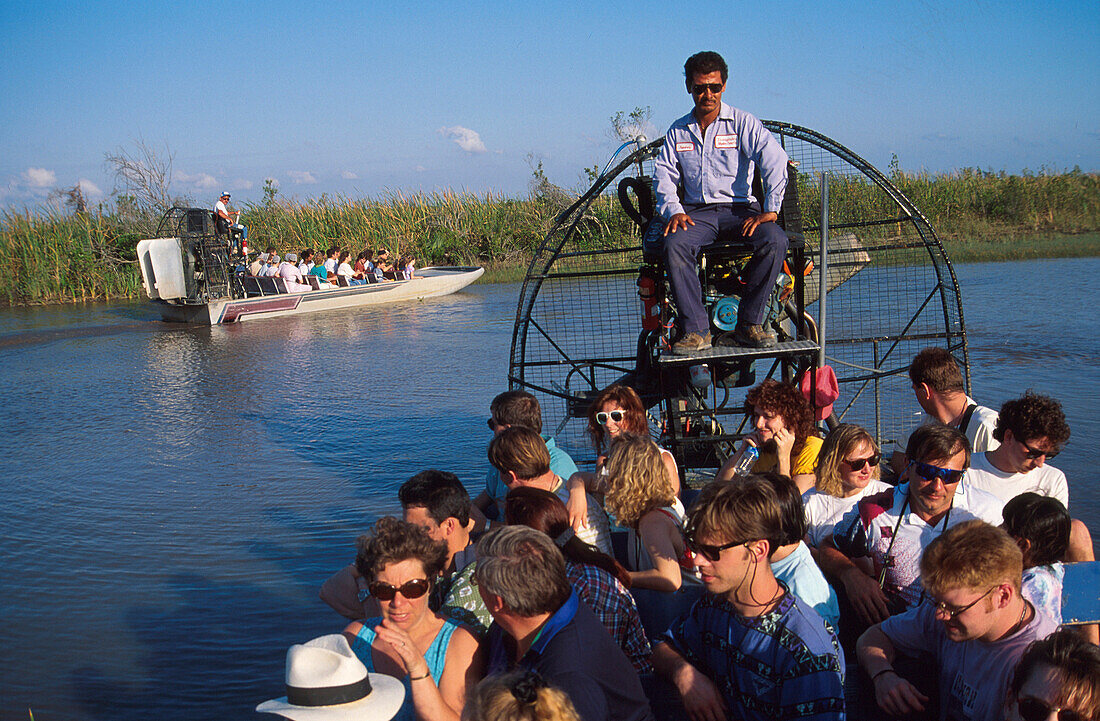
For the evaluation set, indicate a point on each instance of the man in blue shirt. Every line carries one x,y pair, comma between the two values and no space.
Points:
748,649
712,152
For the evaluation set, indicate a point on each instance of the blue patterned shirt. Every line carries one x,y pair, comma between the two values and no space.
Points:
784,664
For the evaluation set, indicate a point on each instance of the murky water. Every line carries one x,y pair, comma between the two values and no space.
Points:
175,496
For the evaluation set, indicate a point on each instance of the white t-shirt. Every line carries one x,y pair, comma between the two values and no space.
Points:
974,675
345,270
823,510
598,532
330,265
1046,481
979,431
220,206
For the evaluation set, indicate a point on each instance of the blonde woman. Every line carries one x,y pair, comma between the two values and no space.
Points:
518,696
847,470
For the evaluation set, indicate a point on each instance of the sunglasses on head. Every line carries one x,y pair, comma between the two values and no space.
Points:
616,416
857,464
700,88
409,589
1034,453
709,552
929,472
1032,709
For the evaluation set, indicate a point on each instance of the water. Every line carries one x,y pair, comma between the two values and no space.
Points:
177,495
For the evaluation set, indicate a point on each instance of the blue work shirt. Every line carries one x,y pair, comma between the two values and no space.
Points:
719,167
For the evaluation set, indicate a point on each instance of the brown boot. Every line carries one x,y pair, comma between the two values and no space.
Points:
691,343
752,336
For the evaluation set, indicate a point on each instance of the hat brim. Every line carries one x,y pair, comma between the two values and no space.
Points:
385,700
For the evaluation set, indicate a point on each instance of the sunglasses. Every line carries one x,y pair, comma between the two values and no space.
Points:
952,612
1033,453
701,88
857,464
616,416
709,552
1032,709
409,589
929,472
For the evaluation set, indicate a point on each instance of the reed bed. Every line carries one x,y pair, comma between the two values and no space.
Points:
57,257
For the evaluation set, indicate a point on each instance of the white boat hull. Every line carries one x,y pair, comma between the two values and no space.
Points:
429,283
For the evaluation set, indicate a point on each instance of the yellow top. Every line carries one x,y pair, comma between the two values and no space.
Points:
802,465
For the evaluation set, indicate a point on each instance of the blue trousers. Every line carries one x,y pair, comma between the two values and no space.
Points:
722,221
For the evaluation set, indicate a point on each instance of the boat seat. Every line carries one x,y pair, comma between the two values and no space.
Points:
267,285
314,282
251,286
342,281
280,284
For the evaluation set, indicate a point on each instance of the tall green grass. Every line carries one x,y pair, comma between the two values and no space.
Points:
54,257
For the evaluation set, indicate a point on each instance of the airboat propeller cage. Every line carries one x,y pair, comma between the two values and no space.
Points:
891,292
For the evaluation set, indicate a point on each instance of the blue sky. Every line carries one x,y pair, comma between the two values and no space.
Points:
360,98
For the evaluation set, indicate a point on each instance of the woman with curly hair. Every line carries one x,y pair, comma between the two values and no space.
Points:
784,433
434,657
518,696
618,409
847,470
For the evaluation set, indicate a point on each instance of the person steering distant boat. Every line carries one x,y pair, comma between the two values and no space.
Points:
712,151
228,224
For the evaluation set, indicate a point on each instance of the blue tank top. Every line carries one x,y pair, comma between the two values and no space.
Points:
436,658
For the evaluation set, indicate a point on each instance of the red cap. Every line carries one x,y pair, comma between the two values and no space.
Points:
825,393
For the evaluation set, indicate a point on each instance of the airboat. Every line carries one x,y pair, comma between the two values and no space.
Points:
191,276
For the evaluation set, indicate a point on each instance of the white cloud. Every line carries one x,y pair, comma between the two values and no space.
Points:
91,190
239,184
39,177
200,181
348,175
420,169
467,139
301,177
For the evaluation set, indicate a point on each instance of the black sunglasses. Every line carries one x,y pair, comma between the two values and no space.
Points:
1032,709
616,416
857,464
409,589
929,472
1033,453
700,88
709,552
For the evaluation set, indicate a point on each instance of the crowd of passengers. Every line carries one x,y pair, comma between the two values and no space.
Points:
943,582
332,270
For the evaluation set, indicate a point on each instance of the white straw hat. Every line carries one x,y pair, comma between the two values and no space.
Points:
325,681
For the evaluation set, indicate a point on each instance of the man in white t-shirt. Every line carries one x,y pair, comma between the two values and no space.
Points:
520,456
227,223
893,528
975,625
938,385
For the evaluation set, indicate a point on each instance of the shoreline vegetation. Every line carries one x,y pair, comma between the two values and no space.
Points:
60,257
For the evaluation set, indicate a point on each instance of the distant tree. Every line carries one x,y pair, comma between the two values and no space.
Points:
143,179
629,126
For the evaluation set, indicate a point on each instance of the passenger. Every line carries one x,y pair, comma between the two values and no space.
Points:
1057,678
507,409
748,649
847,470
319,272
272,268
383,268
331,264
791,561
292,277
541,625
306,263
938,385
520,456
518,696
1040,526
344,269
975,625
257,266
711,154
598,579
785,434
434,657
1032,430
437,502
360,268
616,409
893,527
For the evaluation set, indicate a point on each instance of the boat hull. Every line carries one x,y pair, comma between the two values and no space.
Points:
429,283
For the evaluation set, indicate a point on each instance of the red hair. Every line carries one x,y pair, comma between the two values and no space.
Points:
633,422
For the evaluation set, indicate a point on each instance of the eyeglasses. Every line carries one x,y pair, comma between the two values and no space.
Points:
929,472
409,589
700,88
1032,709
1034,453
952,612
616,416
857,464
709,552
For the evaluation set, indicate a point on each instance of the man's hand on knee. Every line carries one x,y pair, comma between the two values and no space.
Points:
676,222
749,226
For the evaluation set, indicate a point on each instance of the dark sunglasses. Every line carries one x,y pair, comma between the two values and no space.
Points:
929,472
709,552
952,612
1033,453
1032,709
616,416
857,464
700,88
409,589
